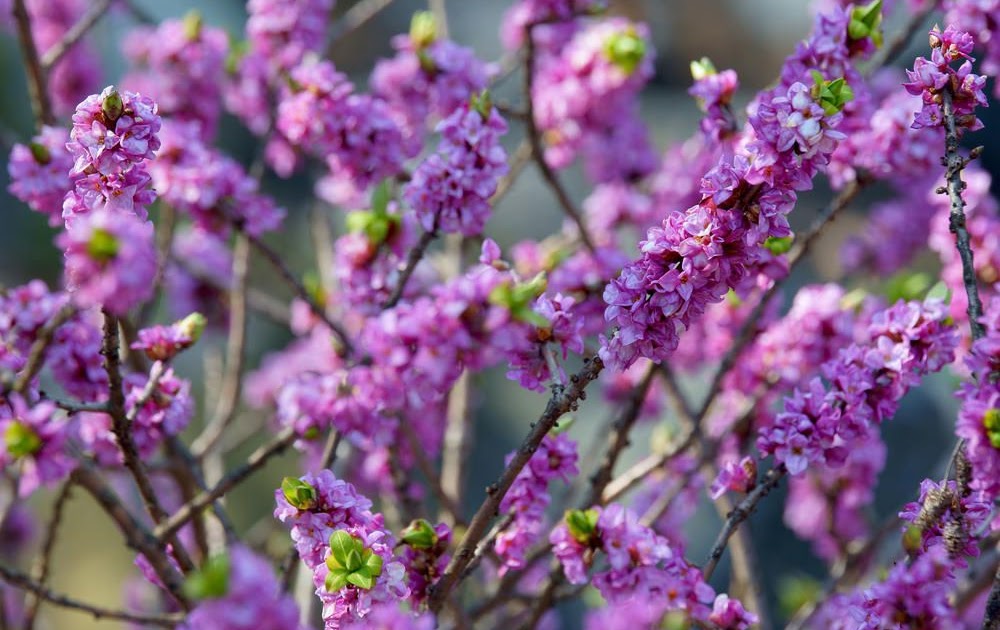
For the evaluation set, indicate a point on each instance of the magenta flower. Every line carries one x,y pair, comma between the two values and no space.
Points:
110,260
34,443
39,172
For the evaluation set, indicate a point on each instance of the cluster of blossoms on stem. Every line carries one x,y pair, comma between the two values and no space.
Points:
320,114
644,571
39,172
935,80
430,77
979,415
450,191
866,381
528,497
584,97
181,64
697,256
211,188
346,547
108,242
34,443
981,18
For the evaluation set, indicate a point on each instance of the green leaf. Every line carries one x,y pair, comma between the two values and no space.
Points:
353,560
940,291
381,197
991,422
336,579
192,24
341,546
702,68
779,246
907,286
373,563
361,578
796,592
482,103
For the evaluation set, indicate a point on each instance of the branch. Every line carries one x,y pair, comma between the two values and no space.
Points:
538,151
137,536
229,392
272,257
562,401
255,462
740,513
412,259
36,356
74,34
41,105
121,426
24,582
355,17
44,558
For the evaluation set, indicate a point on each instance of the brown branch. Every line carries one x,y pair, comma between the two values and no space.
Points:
235,477
300,290
24,582
562,401
355,17
36,356
740,513
44,559
137,536
74,34
538,151
412,260
38,91
121,426
232,381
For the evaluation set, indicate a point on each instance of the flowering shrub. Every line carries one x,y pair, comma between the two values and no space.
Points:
670,269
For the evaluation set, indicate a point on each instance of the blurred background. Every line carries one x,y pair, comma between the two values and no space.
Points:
752,37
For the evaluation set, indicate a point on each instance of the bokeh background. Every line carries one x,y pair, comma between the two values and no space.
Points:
752,37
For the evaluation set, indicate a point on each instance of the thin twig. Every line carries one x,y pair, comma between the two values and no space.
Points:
36,356
232,381
561,403
740,513
412,260
256,461
74,34
44,558
38,91
427,470
24,582
538,151
355,17
121,426
137,536
300,290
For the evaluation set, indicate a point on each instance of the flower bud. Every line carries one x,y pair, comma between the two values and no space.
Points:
103,245
991,422
40,152
866,21
192,326
21,440
913,539
112,107
210,581
702,68
482,103
423,29
192,24
419,534
582,524
778,245
299,494
625,50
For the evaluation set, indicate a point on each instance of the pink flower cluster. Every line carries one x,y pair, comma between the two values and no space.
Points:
450,191
644,572
929,78
528,497
39,172
820,423
979,415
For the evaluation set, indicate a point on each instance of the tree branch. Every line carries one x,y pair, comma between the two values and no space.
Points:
74,34
38,91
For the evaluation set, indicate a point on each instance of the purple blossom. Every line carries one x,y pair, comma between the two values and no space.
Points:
253,599
110,260
34,443
39,172
112,132
450,191
930,77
